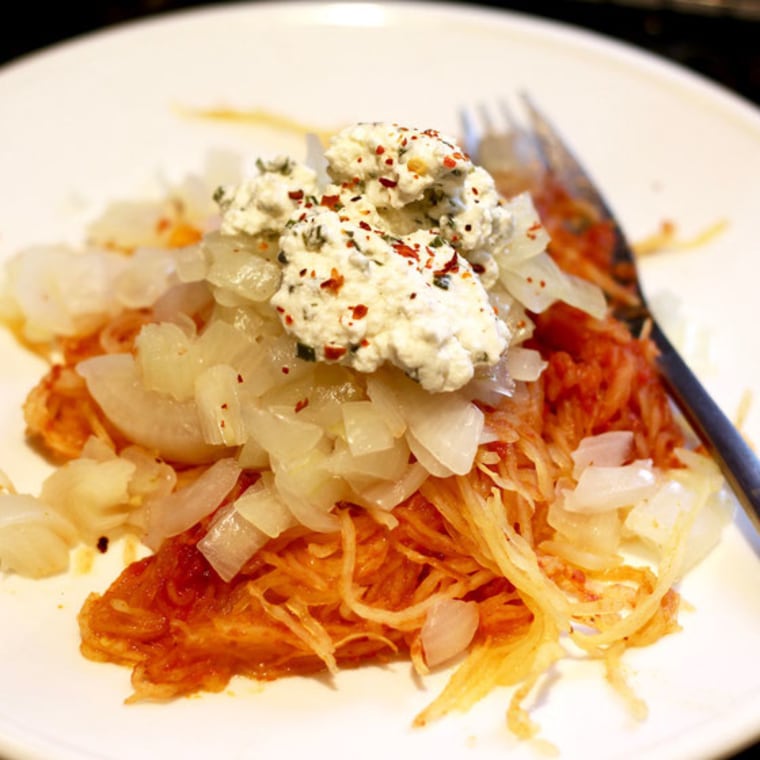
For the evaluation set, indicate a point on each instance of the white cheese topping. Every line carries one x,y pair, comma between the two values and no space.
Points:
390,262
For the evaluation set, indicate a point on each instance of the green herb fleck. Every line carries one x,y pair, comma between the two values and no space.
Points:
442,281
307,353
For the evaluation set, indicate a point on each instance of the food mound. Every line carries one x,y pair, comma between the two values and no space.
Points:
367,408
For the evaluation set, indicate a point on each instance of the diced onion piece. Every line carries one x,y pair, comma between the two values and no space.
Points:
218,405
230,542
610,449
366,431
309,489
239,272
190,263
262,506
34,538
165,360
182,509
525,364
388,464
443,429
698,487
597,533
529,237
604,488
283,435
384,398
93,494
149,419
386,494
145,278
448,630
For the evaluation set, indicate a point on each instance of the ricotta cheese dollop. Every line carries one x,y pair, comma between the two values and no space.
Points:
392,260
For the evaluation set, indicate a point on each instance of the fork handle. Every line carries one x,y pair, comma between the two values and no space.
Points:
737,461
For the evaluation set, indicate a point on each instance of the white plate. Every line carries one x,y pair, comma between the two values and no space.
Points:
99,118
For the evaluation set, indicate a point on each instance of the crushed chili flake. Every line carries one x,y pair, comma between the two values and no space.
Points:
333,353
365,226
402,249
379,150
359,311
301,405
385,182
295,195
450,267
334,283
330,201
449,162
285,370
102,544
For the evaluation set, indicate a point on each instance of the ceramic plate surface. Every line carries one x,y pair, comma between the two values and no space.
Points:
104,117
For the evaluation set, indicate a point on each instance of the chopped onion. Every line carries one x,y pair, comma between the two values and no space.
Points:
698,487
34,538
216,396
366,430
604,488
149,419
447,427
610,449
93,494
525,364
230,542
448,629
262,506
182,509
386,494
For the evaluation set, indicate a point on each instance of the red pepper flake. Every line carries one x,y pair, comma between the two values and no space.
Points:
280,309
239,378
222,424
330,201
334,283
302,273
295,195
402,249
533,230
285,370
225,405
412,296
364,343
333,353
162,225
379,150
449,162
288,320
359,311
359,160
450,267
365,226
385,182
102,544
475,191
542,283
301,405
478,268
389,162
529,279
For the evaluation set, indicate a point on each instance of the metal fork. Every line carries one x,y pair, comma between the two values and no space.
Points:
513,146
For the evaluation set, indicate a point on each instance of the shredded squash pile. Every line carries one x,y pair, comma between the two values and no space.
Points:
490,563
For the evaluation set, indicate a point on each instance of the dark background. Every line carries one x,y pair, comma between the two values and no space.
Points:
719,39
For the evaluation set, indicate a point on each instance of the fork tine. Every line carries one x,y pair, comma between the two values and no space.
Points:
559,160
